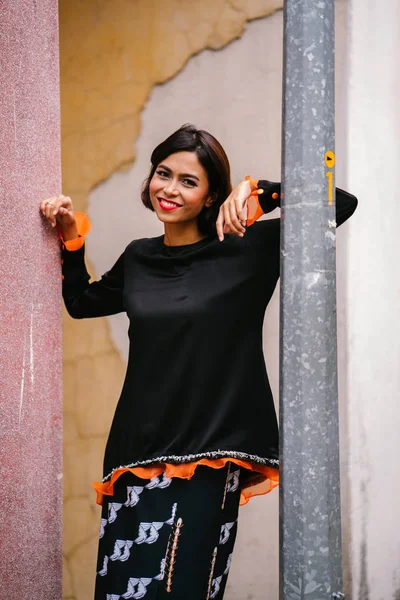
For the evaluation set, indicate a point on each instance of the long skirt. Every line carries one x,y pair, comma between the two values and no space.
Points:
168,538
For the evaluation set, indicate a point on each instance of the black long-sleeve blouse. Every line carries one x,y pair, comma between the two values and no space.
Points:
196,385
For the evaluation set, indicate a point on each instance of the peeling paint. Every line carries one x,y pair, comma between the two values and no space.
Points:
106,79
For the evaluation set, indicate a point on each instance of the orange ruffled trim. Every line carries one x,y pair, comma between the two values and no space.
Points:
83,224
261,479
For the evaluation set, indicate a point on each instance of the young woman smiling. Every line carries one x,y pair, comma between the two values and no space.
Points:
178,191
194,432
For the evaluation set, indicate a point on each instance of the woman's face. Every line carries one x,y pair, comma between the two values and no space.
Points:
179,188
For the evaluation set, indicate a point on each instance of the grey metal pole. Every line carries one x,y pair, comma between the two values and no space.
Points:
310,550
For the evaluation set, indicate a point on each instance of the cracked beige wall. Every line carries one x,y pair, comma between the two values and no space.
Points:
112,54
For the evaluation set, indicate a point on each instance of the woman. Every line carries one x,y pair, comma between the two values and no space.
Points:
195,431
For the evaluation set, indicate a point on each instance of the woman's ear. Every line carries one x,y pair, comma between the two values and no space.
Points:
210,200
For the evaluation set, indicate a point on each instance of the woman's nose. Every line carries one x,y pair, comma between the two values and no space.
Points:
171,188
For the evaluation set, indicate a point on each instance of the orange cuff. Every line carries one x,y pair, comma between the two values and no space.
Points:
84,226
254,210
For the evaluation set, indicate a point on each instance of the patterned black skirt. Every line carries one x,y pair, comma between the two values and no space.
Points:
168,538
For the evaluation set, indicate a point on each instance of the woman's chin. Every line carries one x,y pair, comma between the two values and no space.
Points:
166,217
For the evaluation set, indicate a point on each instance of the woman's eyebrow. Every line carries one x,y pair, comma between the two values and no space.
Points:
190,175
181,174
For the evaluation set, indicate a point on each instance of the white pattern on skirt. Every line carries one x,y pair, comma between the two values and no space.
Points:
148,532
233,481
225,532
113,508
121,550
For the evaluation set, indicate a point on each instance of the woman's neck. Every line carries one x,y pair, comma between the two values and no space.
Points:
181,234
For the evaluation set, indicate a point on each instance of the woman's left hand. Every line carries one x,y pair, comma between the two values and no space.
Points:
231,218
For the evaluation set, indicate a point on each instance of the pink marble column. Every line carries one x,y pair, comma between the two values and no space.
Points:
30,304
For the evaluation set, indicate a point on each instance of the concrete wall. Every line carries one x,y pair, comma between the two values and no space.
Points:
373,333
112,54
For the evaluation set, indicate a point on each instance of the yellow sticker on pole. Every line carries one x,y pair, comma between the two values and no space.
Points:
330,163
330,159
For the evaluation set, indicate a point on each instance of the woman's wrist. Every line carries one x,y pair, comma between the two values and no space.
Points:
253,183
69,232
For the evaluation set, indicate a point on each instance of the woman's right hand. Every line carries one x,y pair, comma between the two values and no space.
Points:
59,209
231,218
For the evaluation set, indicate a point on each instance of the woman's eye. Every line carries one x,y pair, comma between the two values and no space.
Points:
189,182
162,173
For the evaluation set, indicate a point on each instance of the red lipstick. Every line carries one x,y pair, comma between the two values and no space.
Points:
168,205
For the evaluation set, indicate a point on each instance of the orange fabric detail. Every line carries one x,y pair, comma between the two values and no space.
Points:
254,210
275,195
84,226
75,244
262,480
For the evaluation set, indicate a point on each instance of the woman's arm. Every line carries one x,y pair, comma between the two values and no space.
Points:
270,198
98,299
262,197
82,299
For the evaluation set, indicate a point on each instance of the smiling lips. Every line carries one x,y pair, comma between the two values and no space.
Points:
168,204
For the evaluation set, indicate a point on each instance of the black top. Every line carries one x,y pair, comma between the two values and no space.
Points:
196,384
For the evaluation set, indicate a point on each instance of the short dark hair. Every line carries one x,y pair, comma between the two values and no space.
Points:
213,159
